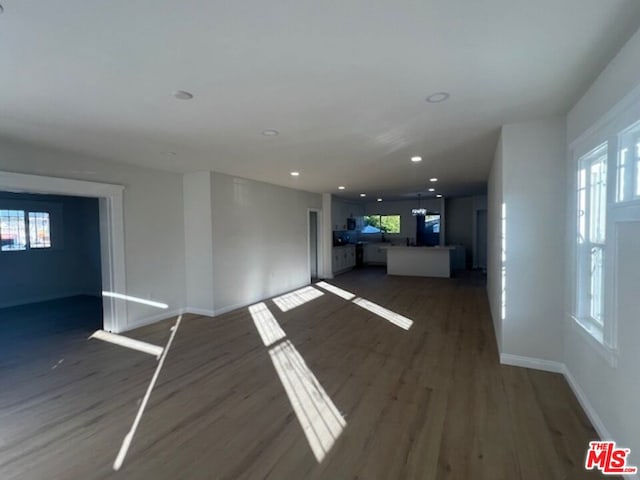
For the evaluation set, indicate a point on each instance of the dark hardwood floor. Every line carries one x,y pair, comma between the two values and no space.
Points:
367,398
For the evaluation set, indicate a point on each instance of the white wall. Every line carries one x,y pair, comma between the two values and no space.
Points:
533,191
70,267
611,391
198,234
494,241
153,217
260,240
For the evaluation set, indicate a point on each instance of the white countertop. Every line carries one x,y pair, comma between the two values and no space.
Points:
419,261
419,249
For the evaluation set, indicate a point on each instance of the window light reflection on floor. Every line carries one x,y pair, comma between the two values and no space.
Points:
320,419
266,324
395,318
128,298
291,300
336,290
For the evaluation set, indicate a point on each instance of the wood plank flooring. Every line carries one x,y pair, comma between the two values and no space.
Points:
431,402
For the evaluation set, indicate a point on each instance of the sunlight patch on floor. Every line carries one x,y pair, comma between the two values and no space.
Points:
320,419
395,318
266,324
336,290
289,301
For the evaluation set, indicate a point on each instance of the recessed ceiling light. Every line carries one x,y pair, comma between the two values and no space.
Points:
182,95
416,159
438,196
363,194
172,154
295,174
341,187
270,133
379,200
434,179
432,189
438,97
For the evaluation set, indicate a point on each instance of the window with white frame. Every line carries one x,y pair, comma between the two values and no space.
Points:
628,168
14,225
591,238
39,230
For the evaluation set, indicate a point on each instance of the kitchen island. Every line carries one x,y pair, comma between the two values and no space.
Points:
419,261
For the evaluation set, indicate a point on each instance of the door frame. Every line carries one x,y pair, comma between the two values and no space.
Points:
111,211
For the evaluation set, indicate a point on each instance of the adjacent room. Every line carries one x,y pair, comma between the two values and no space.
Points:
390,240
51,283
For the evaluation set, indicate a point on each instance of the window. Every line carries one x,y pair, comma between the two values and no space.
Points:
39,231
12,230
381,224
14,225
628,168
432,222
591,238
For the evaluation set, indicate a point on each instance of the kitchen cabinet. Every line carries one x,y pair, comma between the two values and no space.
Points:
375,253
343,258
340,211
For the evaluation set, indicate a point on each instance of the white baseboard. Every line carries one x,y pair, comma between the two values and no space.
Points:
595,419
558,367
200,311
231,308
164,315
141,322
530,362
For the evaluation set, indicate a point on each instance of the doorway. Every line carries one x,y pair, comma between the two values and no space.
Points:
51,286
314,243
481,240
111,219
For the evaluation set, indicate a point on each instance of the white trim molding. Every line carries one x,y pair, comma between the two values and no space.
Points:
595,419
111,209
559,367
533,363
164,315
200,311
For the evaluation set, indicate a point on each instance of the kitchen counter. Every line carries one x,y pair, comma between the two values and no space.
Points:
419,261
343,258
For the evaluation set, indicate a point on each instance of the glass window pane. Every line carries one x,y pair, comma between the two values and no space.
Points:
371,224
598,200
432,223
39,230
13,234
622,172
596,285
637,169
582,204
390,223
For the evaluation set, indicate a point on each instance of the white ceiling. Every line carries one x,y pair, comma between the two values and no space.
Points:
343,81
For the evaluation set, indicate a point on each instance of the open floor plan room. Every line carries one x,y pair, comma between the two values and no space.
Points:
299,240
429,402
